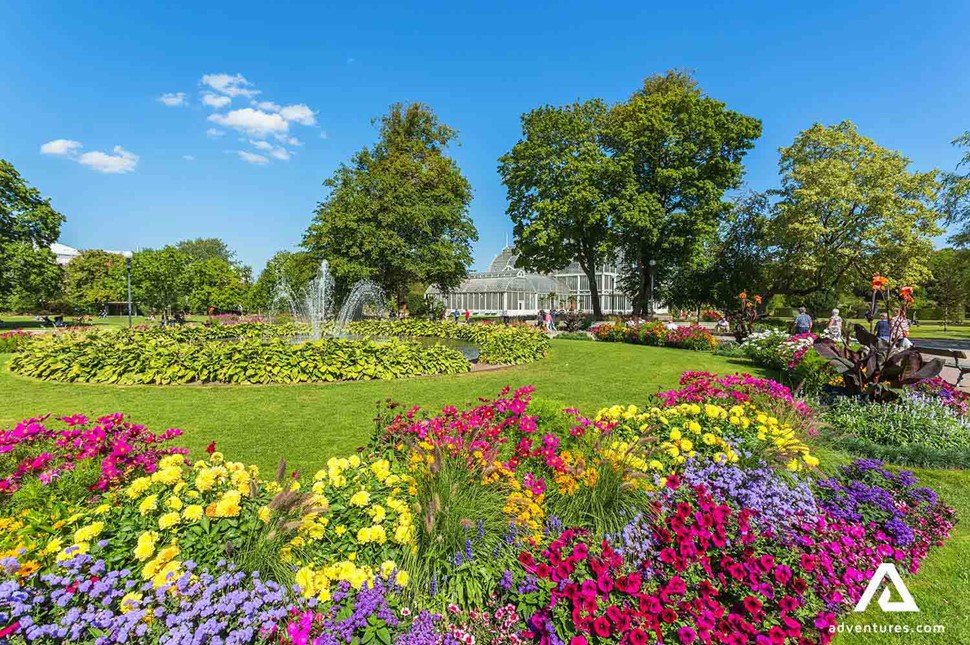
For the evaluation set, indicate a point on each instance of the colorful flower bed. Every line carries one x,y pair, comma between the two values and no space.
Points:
702,519
695,337
12,341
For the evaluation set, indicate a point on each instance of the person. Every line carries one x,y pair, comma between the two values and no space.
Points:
899,331
549,321
468,316
505,317
835,326
552,319
882,328
456,315
722,325
541,318
803,322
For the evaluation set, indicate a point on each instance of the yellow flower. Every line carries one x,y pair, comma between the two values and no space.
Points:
169,520
171,460
193,513
381,469
87,533
264,514
167,476
174,503
675,434
148,504
138,487
206,479
146,545
354,461
402,578
304,580
101,510
228,504
377,513
360,498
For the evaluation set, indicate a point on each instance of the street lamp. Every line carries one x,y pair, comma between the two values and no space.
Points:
127,256
652,263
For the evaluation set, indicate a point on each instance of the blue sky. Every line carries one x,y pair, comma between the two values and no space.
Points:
129,171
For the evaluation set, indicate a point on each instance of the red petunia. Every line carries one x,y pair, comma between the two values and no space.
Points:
601,627
637,637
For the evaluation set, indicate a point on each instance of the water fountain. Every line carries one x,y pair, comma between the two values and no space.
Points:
316,305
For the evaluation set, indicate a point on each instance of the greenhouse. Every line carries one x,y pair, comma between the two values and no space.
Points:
506,288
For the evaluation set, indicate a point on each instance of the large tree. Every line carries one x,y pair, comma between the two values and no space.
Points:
848,208
950,284
95,277
398,213
28,226
683,150
955,202
565,190
294,269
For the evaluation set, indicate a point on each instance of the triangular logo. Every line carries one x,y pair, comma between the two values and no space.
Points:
887,570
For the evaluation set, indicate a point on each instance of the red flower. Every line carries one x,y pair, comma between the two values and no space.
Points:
752,605
668,615
605,584
638,636
211,448
777,635
686,635
6,631
601,627
526,560
543,570
673,482
577,640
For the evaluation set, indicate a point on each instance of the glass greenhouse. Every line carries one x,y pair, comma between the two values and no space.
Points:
505,288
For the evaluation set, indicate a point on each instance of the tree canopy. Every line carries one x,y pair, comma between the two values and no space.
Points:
29,275
398,213
683,150
848,208
565,190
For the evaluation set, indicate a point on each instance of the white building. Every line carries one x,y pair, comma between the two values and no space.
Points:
64,253
503,287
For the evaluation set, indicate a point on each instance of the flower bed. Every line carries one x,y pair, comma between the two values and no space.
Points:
225,354
12,341
695,337
499,344
703,520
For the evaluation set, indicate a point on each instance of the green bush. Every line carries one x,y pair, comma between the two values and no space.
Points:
913,431
136,356
498,344
12,341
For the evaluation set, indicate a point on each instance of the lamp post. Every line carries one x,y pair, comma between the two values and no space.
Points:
127,255
652,263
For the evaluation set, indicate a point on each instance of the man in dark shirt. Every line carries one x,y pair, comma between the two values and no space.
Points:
803,322
883,330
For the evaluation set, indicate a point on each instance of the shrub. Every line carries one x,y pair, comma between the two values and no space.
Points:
695,337
913,430
129,357
498,344
12,341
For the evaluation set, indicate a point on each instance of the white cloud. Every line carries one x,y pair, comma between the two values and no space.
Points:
189,157
268,106
230,85
60,147
300,113
215,132
280,153
254,123
173,99
324,135
249,157
277,152
216,100
293,141
119,162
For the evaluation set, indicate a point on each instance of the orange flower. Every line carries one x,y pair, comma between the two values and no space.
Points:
757,299
907,294
879,282
743,295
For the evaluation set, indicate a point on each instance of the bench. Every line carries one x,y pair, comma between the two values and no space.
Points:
955,354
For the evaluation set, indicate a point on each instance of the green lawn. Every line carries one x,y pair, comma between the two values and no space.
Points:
928,330
308,423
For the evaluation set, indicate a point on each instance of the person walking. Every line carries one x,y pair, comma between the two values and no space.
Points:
468,316
456,315
899,331
549,321
883,331
541,318
834,330
803,322
505,317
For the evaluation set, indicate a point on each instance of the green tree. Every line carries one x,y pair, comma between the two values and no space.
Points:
296,269
955,194
565,190
683,150
95,277
847,208
201,249
214,282
28,226
398,214
159,279
948,287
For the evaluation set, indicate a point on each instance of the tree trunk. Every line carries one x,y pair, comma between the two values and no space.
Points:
594,292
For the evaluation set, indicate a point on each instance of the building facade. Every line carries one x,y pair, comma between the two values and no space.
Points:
505,288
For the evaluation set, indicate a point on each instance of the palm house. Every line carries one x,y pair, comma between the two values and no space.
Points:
506,288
